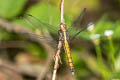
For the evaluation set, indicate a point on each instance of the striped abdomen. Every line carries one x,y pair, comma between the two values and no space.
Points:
69,57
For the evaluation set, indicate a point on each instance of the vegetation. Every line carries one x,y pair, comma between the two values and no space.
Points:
24,49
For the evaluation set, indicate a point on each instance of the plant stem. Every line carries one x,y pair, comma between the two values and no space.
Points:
62,11
112,58
100,61
99,55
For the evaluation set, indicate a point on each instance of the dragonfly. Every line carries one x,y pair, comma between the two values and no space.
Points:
63,33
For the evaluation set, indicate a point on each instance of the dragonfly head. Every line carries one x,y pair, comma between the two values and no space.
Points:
62,27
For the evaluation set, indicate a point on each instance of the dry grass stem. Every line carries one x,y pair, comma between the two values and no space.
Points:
57,59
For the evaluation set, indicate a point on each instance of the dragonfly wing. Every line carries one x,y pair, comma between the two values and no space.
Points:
73,31
77,33
46,38
77,22
38,24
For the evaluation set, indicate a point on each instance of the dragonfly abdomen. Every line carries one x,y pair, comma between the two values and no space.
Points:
69,57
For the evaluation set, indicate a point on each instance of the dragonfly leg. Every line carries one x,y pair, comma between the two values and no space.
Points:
56,55
58,52
60,59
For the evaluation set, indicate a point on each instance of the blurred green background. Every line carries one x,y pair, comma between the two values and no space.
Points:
95,52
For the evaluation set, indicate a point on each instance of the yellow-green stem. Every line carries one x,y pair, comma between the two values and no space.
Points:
112,57
100,60
99,55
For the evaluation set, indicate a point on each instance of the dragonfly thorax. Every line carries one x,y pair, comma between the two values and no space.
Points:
63,35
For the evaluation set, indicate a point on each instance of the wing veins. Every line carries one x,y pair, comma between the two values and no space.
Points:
77,33
40,23
79,19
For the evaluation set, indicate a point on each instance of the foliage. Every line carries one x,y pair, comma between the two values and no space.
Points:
11,8
103,60
36,51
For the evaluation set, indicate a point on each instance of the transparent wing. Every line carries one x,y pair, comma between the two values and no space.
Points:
46,38
77,22
74,30
77,33
38,24
42,27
